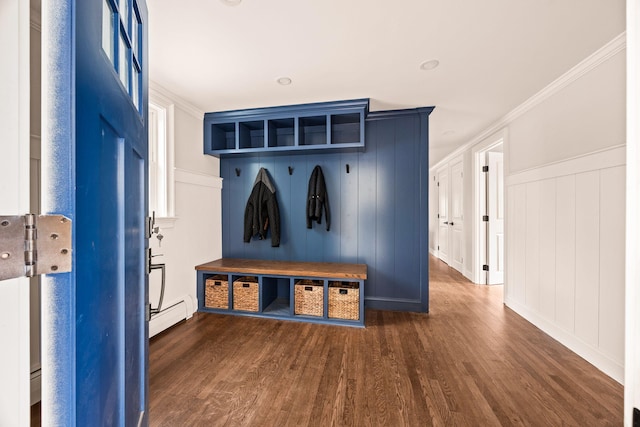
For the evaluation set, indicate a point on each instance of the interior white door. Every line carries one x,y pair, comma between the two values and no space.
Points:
14,188
443,215
456,218
495,210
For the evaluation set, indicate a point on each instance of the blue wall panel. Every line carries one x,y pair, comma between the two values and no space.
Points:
406,180
378,209
299,184
367,213
348,207
384,175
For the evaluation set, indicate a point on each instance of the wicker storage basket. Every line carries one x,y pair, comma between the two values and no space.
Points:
216,292
245,294
309,298
344,300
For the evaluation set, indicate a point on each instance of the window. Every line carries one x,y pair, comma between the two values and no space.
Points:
121,42
161,184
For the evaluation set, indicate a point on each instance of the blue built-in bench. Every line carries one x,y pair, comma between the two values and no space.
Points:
318,292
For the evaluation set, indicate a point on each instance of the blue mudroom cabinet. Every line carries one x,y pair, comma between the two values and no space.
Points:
375,166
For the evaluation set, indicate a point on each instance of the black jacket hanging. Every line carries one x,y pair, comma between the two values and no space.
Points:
317,199
262,211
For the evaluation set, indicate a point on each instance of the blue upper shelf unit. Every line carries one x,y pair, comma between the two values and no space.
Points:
318,126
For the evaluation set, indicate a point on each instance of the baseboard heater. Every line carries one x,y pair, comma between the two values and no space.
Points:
168,317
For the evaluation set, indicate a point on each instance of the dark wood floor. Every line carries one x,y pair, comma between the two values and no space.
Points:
470,361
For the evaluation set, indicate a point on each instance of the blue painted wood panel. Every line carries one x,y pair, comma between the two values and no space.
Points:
378,209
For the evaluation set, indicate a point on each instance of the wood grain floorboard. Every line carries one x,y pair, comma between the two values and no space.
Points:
469,362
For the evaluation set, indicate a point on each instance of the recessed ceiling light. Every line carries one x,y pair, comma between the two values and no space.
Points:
429,65
231,2
284,81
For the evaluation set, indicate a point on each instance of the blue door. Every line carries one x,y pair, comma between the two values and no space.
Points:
95,160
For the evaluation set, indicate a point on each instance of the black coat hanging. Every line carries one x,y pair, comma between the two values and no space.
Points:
317,199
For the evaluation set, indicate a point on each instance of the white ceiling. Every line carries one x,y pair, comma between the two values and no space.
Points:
494,54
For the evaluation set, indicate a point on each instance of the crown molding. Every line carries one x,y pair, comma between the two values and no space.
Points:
597,58
167,97
594,60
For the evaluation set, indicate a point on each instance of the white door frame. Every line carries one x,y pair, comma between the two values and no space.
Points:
440,185
494,251
632,286
478,226
456,223
14,187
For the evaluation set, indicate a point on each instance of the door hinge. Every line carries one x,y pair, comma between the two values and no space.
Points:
485,218
438,247
485,267
31,245
485,169
147,310
438,183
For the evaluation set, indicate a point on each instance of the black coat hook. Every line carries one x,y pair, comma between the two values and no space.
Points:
347,167
237,172
290,170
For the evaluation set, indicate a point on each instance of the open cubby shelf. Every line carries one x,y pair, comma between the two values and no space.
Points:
251,134
301,296
337,125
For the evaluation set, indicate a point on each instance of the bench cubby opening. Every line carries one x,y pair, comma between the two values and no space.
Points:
276,296
309,297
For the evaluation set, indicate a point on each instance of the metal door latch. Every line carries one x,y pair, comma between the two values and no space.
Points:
34,244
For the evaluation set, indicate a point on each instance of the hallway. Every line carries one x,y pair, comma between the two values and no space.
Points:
470,361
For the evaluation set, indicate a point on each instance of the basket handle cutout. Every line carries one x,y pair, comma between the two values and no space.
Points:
245,285
217,283
343,291
308,288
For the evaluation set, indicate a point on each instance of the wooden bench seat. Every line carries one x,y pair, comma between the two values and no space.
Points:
329,270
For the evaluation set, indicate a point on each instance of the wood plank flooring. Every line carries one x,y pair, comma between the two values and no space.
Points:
470,361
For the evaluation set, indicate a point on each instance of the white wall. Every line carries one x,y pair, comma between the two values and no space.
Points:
14,200
565,254
566,215
565,207
195,235
587,115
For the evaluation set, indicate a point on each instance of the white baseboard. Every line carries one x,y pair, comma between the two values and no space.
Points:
469,275
174,313
592,355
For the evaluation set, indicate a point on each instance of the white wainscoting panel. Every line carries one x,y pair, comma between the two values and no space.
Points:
532,244
565,265
547,244
519,221
612,262
587,256
566,251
